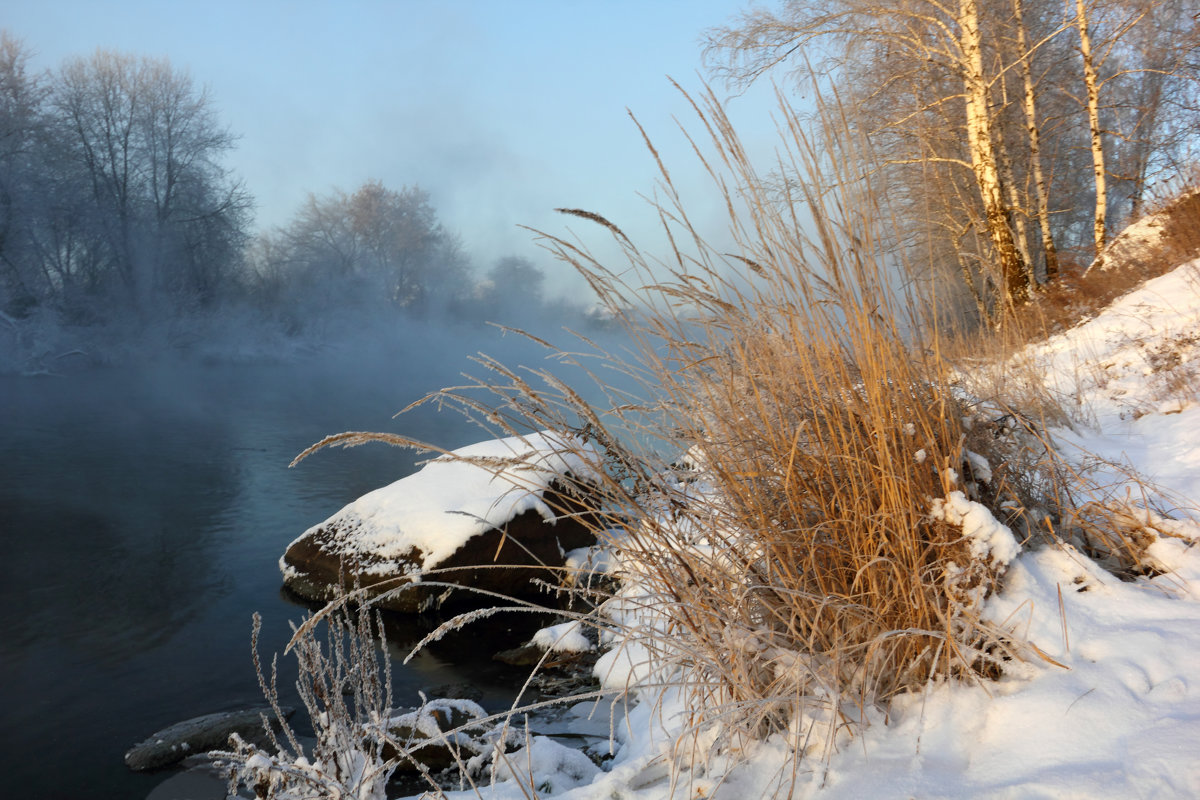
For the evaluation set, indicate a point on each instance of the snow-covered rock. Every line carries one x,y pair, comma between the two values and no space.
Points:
490,516
439,734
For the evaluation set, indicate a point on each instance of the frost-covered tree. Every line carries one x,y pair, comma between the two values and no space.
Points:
375,246
140,147
21,123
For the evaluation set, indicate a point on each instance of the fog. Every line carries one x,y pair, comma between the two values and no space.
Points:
173,331
162,360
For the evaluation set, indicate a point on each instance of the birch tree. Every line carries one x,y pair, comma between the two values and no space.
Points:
1033,132
929,34
1091,85
1047,107
1139,96
983,156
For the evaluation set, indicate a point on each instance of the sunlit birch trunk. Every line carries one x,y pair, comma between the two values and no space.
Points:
983,157
1093,108
1035,147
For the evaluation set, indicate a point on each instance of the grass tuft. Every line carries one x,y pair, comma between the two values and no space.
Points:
816,551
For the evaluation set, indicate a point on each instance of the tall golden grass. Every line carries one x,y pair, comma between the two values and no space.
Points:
799,571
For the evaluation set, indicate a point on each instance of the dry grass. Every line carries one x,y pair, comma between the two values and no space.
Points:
798,572
1182,233
1178,201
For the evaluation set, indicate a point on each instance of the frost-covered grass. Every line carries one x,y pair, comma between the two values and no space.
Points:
347,694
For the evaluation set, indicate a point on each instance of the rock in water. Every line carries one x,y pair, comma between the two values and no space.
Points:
492,516
198,735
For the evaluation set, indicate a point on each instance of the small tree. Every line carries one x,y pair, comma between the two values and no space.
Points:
375,245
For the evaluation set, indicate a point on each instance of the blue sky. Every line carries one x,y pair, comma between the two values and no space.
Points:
502,110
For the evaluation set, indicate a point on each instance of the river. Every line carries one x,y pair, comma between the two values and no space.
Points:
143,513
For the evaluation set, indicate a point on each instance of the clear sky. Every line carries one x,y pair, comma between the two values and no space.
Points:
502,110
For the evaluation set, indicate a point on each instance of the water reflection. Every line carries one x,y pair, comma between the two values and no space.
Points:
143,516
113,533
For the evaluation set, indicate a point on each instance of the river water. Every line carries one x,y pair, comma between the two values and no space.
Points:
142,515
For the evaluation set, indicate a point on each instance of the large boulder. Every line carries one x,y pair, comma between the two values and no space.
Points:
491,516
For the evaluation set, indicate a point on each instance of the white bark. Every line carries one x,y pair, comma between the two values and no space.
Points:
983,156
1092,85
1035,147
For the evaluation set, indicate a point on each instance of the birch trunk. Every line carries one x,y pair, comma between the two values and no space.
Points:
983,157
1035,149
1093,108
1016,214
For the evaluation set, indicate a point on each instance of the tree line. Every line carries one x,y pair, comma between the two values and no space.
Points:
115,203
112,191
1012,135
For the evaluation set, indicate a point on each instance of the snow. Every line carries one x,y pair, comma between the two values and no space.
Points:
1106,706
585,562
425,720
457,496
990,539
1140,241
550,766
566,637
1140,355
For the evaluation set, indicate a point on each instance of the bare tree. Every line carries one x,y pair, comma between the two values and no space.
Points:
924,35
375,245
21,96
986,114
144,144
1151,96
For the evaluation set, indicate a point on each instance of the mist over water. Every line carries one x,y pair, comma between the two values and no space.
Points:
161,363
144,511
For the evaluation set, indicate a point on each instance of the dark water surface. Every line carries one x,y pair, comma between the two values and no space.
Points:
142,515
